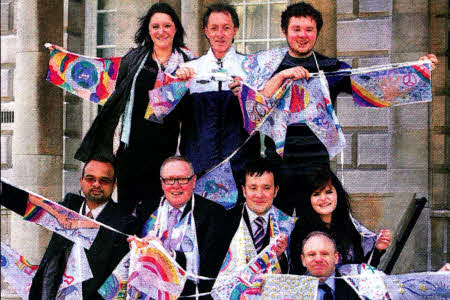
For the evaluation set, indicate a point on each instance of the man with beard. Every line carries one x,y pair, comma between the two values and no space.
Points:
97,181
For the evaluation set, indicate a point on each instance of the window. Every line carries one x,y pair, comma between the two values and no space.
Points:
260,27
106,24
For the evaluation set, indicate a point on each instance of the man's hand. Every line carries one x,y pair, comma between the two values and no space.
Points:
185,73
445,268
384,240
432,58
235,85
295,73
281,244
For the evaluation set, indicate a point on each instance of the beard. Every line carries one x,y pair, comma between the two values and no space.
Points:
96,196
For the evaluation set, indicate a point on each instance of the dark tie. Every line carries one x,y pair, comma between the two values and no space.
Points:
259,233
328,292
171,221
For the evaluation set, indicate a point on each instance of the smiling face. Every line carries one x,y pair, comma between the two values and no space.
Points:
324,201
162,30
220,32
319,256
177,194
301,36
259,192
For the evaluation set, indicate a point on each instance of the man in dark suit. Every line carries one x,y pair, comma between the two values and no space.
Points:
98,181
250,223
320,257
177,205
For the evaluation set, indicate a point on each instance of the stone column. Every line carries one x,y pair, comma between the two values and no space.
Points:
409,124
191,18
37,141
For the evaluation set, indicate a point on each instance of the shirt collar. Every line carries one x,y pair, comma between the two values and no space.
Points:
170,207
252,216
228,56
330,281
96,211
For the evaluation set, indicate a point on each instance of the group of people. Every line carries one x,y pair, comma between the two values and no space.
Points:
156,184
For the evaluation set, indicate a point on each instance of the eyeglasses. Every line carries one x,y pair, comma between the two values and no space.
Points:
101,180
181,180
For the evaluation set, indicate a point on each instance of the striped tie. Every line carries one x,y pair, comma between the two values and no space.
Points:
259,233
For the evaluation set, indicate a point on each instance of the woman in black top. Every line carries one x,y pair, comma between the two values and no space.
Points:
144,144
327,209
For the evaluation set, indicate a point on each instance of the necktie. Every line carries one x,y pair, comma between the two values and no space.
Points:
171,221
328,292
90,215
259,233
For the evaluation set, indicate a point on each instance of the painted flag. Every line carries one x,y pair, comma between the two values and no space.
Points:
164,98
154,272
305,102
17,271
218,185
90,78
283,286
247,281
367,281
115,287
57,218
254,107
392,86
77,270
419,286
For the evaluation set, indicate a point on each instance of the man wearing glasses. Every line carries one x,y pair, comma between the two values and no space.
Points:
97,181
190,227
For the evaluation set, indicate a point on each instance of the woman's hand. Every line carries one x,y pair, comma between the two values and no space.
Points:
185,73
432,58
384,240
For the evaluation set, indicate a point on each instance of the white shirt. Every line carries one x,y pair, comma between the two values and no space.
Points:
208,63
95,212
169,208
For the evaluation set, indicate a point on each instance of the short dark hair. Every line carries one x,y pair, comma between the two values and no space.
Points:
257,167
177,158
301,9
103,160
221,7
142,34
318,233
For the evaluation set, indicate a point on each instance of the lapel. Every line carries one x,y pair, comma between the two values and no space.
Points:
343,290
187,209
106,213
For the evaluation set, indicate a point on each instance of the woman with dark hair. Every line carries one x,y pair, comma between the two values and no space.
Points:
143,144
327,209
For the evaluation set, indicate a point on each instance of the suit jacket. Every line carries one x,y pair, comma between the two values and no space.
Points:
105,253
234,218
343,291
209,220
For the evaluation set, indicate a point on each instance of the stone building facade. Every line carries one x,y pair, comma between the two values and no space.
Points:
392,155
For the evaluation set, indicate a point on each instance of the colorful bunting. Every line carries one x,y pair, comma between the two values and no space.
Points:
392,86
147,272
418,286
71,225
17,271
307,102
77,270
218,185
163,98
90,78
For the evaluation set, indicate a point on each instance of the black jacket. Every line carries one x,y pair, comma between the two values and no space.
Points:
105,253
234,216
343,291
212,241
